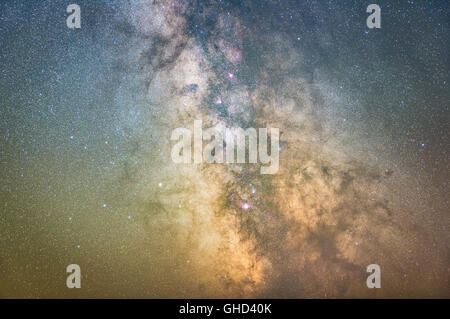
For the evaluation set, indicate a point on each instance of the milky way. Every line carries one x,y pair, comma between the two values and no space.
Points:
88,178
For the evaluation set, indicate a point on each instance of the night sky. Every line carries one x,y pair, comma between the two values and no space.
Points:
87,176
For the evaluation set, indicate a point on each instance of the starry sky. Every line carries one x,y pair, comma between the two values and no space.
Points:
87,178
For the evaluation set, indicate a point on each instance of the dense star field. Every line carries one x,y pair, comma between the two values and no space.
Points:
87,176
